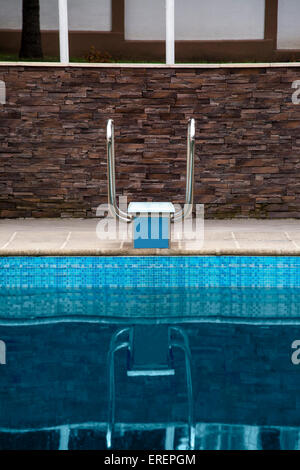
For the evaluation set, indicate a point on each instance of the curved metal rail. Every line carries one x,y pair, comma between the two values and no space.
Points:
115,211
189,187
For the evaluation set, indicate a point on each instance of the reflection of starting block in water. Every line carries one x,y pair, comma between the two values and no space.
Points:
151,224
150,353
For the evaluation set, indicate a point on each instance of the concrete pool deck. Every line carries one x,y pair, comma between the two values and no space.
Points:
67,237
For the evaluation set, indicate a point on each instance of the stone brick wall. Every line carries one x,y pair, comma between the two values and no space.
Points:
52,138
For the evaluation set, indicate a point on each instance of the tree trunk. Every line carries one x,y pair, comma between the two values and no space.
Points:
31,44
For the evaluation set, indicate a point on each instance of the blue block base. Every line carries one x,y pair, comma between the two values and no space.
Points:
151,232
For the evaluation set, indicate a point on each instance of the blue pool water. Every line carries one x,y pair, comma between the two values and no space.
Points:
240,316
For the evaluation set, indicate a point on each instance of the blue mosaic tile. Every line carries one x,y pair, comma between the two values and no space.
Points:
158,271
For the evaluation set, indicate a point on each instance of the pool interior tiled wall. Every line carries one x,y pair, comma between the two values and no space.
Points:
246,389
147,271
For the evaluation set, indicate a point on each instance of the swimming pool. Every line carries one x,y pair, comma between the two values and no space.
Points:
240,315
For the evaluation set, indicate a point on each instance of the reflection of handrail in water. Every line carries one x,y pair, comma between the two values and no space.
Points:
65,429
114,347
188,360
209,435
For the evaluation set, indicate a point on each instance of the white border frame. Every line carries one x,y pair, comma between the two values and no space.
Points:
64,31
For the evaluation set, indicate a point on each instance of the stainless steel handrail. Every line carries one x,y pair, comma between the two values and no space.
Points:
115,211
189,189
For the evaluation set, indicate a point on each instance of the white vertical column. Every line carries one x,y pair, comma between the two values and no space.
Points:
63,31
170,32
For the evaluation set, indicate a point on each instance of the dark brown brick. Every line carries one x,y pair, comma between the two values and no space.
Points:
52,140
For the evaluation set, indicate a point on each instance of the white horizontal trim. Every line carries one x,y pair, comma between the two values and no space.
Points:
153,66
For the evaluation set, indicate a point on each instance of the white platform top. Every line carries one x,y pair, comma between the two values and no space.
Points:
151,207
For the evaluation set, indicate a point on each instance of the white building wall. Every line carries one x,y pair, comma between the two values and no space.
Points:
196,19
288,24
145,19
90,15
220,19
10,14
